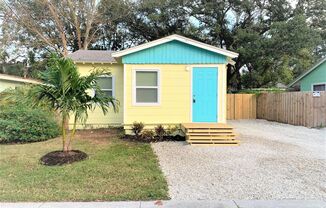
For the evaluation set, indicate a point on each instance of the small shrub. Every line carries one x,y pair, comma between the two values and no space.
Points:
172,130
24,124
148,135
160,131
137,128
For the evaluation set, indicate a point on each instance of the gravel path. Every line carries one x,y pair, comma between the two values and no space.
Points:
274,161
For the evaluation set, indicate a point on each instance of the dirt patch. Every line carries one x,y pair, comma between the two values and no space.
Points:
98,133
98,136
61,158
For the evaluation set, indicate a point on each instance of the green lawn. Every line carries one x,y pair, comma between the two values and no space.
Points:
115,170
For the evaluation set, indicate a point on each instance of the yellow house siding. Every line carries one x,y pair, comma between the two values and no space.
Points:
222,82
96,118
175,95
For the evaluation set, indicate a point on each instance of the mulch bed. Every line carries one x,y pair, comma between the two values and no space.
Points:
61,158
155,139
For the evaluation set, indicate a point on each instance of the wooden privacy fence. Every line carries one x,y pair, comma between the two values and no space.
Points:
296,108
241,106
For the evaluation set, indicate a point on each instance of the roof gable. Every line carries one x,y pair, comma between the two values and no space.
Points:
174,52
307,72
176,38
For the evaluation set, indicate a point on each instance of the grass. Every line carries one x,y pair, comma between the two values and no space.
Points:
115,170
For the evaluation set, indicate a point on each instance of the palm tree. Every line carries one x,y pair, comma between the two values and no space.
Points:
71,94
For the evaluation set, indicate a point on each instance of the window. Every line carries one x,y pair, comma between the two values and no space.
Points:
106,84
318,87
146,87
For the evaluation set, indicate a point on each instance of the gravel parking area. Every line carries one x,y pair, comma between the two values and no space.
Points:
274,161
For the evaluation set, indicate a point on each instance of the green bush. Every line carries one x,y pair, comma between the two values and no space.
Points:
172,130
137,128
148,135
25,124
160,131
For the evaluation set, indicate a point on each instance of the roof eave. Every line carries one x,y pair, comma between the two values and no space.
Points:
306,73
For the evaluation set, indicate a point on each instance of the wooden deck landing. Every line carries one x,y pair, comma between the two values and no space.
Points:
210,134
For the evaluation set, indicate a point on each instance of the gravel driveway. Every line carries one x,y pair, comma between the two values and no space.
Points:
274,161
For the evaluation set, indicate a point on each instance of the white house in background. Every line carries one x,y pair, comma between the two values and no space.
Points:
9,81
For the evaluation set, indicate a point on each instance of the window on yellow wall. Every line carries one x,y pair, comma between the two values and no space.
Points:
146,87
106,83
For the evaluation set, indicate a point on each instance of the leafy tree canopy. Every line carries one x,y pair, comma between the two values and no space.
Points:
276,39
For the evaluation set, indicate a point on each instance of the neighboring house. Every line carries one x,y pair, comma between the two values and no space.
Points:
172,80
9,81
313,79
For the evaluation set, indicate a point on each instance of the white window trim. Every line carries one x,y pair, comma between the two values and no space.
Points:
321,83
113,84
134,87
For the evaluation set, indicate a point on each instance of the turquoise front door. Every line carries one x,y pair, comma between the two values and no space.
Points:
204,94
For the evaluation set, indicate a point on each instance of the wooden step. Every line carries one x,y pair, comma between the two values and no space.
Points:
230,141
210,138
222,127
214,142
212,145
205,125
209,130
208,134
211,135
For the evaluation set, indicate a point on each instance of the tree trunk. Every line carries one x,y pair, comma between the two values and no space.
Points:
64,126
63,133
72,136
76,23
229,76
238,76
60,26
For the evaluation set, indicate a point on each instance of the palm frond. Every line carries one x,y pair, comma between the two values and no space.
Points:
65,89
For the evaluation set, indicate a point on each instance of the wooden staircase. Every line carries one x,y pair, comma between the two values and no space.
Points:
209,134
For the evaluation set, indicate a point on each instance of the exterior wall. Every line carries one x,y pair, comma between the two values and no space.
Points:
174,52
222,89
97,119
175,95
316,76
4,84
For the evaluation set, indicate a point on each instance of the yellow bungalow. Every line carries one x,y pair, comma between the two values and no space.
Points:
172,80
